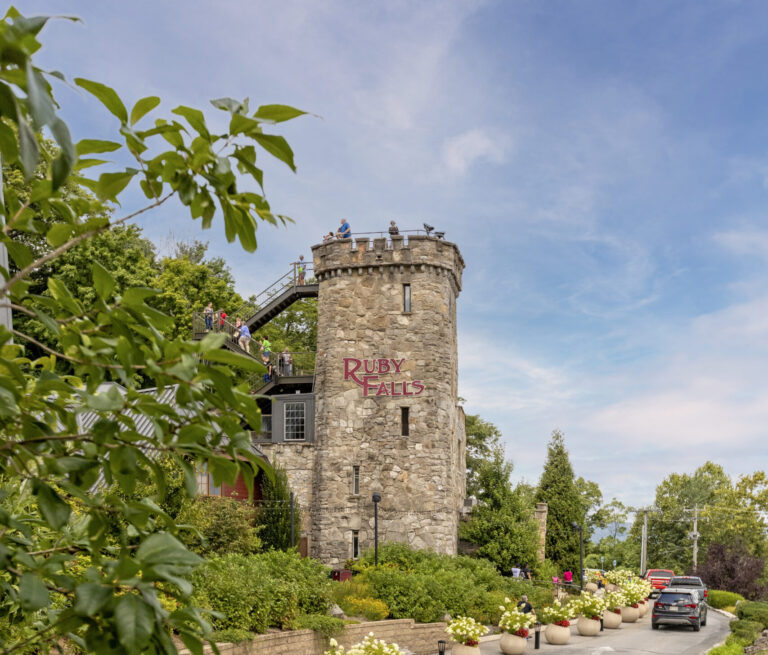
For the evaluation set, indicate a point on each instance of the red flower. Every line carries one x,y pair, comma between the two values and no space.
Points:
522,632
616,610
595,618
471,642
565,623
635,605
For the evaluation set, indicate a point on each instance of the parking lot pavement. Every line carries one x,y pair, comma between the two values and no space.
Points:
634,638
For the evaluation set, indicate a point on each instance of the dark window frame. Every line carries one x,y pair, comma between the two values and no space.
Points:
405,421
407,298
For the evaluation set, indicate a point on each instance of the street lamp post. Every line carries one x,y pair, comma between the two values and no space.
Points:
577,526
376,499
441,646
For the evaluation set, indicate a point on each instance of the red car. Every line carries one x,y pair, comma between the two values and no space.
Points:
659,578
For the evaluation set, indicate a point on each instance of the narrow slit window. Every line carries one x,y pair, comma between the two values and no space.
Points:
355,544
407,298
404,419
356,480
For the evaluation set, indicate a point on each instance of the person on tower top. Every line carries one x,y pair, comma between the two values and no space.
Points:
344,232
393,231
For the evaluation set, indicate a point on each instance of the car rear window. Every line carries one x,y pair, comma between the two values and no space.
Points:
667,598
659,574
687,582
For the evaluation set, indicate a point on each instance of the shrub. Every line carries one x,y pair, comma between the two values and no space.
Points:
728,648
273,516
328,626
354,587
219,526
372,609
722,599
746,630
753,611
230,636
256,592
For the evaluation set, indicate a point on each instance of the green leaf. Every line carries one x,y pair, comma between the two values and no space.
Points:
58,234
277,113
62,165
135,622
194,117
20,254
28,149
106,95
228,104
8,146
52,507
234,359
110,185
90,597
193,643
32,592
91,146
276,146
163,548
103,282
38,97
143,107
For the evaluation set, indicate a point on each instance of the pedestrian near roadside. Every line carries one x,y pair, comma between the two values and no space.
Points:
393,231
344,232
208,315
524,606
568,577
301,269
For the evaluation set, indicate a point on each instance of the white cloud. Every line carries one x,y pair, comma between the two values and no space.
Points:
747,241
461,151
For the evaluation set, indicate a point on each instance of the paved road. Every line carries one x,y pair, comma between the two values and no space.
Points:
635,639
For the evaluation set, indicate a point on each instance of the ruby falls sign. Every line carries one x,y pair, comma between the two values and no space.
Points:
368,374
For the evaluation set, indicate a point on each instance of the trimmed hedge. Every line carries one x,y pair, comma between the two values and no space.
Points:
722,599
753,619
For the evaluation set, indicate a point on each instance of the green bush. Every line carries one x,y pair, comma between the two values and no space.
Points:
257,592
753,611
372,609
219,526
326,625
231,636
746,629
728,648
722,599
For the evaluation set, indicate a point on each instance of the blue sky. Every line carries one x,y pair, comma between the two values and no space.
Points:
603,167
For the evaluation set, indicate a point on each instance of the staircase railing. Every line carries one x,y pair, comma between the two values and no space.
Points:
293,278
302,364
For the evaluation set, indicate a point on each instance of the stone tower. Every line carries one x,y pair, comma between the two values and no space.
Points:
386,415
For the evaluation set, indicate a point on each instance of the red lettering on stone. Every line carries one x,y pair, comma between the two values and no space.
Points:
397,364
383,366
392,389
405,390
418,387
373,366
369,382
382,390
351,364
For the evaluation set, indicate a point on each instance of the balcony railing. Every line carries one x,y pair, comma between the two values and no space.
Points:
293,278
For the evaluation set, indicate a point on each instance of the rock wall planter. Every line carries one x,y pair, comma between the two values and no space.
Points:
629,614
611,619
587,627
512,644
461,649
557,635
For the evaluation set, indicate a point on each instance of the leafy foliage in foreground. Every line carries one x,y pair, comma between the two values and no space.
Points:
88,558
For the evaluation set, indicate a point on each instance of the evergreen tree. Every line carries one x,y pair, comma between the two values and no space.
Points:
558,489
273,514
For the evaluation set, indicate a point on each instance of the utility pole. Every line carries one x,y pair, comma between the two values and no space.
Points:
695,536
644,542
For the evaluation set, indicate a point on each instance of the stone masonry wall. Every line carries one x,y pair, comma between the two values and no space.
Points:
419,638
361,315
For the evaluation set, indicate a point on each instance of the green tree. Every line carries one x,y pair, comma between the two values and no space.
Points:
483,445
73,447
591,506
558,489
273,513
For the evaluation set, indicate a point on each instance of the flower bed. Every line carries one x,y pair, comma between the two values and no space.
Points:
465,630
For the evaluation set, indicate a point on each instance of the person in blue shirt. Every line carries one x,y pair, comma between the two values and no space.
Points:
344,232
244,340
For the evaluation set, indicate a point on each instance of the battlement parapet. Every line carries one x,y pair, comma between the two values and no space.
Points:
363,255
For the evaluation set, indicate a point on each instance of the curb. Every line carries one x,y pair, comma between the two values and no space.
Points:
722,612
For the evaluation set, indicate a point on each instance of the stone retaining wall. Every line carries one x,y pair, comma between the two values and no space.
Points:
419,638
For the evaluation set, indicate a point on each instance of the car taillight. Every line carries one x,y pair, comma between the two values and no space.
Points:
691,605
705,593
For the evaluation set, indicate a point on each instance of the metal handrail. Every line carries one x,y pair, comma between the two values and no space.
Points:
286,281
303,364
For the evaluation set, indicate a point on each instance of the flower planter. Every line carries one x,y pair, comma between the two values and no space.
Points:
557,635
591,586
611,619
587,627
461,649
611,587
512,644
643,607
629,614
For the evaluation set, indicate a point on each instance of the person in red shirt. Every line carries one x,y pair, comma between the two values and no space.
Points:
222,319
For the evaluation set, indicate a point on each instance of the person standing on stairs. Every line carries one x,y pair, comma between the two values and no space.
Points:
301,269
266,349
208,315
244,340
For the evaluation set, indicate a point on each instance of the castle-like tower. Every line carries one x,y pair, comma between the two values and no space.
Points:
386,413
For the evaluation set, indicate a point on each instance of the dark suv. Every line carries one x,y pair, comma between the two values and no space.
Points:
681,606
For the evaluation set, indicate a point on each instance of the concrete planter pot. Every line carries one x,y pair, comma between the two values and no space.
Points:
643,607
611,587
461,649
611,620
557,635
587,627
591,587
512,644
629,614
